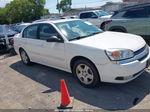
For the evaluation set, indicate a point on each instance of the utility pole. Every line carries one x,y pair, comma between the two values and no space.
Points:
58,9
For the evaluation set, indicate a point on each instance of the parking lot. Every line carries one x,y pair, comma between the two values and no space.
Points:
37,87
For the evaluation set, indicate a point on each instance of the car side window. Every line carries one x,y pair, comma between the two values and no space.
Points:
135,13
87,15
148,12
46,31
83,15
31,32
91,15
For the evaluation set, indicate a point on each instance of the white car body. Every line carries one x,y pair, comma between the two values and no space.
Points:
59,55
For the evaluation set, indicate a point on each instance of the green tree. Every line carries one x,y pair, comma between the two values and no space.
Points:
23,10
38,8
3,19
64,5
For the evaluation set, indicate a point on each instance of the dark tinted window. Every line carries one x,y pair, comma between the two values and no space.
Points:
135,13
46,31
87,15
31,32
83,15
148,11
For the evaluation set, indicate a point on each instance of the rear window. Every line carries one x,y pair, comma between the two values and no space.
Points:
30,32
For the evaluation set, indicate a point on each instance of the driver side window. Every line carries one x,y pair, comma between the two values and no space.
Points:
46,31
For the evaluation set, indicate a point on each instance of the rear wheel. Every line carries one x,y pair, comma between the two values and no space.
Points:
86,73
24,57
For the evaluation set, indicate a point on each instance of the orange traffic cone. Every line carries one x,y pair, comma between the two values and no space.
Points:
65,97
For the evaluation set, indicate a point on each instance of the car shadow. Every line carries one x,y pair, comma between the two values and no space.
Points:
105,96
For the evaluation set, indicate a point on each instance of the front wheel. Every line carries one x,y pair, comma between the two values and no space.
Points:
86,73
24,57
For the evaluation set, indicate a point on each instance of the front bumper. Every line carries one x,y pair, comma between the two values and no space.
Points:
4,46
122,73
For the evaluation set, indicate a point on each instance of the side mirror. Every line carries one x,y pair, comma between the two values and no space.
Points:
54,39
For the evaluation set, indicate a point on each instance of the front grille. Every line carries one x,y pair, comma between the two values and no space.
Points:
142,53
140,50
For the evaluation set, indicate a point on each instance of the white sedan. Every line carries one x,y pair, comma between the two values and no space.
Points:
79,47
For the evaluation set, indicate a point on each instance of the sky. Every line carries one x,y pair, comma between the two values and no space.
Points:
51,4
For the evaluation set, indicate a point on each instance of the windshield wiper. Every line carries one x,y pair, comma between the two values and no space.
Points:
80,37
77,38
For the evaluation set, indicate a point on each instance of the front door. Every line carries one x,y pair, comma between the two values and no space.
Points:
53,53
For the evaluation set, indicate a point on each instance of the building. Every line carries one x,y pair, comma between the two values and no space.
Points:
76,11
113,6
138,1
51,15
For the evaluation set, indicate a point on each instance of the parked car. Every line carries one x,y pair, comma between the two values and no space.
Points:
39,20
79,47
74,17
70,17
18,28
6,38
133,19
96,17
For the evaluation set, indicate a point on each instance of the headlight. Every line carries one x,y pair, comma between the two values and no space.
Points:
119,54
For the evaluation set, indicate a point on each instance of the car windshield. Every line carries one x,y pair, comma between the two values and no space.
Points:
101,13
78,29
20,27
8,30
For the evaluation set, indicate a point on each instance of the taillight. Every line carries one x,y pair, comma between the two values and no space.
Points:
108,21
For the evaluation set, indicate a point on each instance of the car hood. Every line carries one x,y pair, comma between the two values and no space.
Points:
112,40
108,16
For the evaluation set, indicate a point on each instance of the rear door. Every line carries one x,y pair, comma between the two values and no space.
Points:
147,27
32,44
134,21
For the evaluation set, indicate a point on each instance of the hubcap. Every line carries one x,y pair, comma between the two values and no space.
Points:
24,57
84,74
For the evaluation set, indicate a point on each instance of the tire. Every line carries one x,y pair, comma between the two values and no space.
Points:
102,27
24,57
86,73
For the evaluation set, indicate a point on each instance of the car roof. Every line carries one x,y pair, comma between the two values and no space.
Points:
90,11
56,21
135,6
25,24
